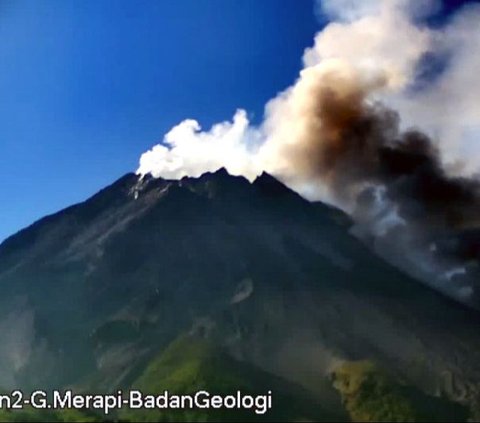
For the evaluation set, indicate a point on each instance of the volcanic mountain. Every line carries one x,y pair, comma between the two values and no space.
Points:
92,295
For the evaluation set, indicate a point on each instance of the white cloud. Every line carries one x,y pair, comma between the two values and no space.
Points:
448,108
384,42
348,10
188,151
352,10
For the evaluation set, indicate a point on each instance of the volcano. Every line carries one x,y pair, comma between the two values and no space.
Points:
94,294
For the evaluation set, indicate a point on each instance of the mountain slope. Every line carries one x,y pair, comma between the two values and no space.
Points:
370,395
191,364
90,295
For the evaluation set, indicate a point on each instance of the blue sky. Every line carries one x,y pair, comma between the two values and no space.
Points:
87,86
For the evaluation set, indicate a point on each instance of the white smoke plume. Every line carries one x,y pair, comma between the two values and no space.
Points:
188,151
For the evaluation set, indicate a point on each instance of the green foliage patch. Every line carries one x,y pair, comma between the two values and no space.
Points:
370,395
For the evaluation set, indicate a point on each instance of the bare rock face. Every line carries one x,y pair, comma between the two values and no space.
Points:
89,294
244,291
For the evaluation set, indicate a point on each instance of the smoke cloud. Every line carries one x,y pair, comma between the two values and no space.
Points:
348,143
188,151
381,122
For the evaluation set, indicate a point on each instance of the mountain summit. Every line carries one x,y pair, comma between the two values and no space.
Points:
91,294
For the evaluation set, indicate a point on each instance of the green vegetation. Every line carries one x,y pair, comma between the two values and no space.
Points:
370,395
191,364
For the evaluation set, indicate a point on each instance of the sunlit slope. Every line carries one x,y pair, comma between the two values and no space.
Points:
191,364
370,395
